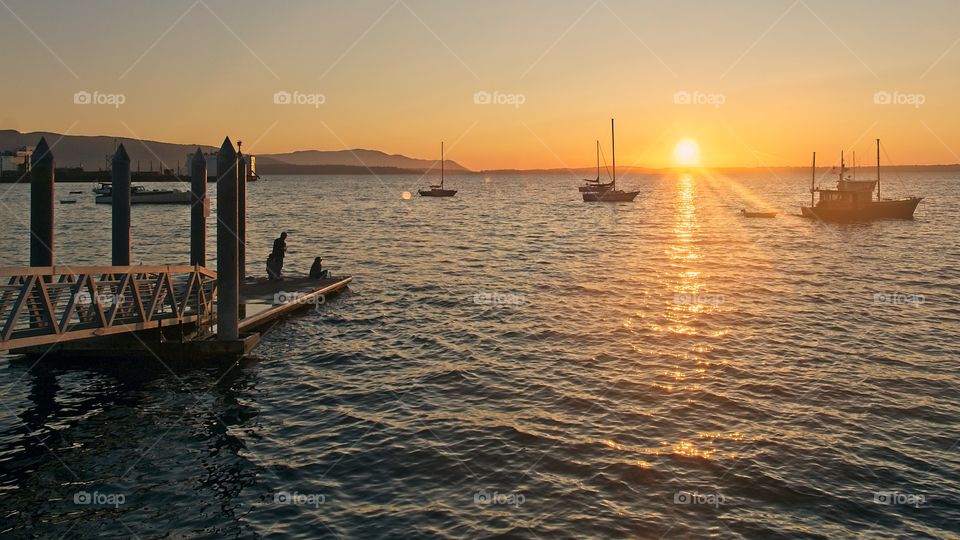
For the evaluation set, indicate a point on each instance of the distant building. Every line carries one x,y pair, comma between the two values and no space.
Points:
16,161
211,158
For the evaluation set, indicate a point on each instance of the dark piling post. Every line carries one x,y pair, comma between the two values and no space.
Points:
198,209
228,285
120,194
242,215
41,205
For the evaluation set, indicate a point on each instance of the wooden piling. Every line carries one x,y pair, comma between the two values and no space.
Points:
242,216
228,285
120,195
41,205
198,209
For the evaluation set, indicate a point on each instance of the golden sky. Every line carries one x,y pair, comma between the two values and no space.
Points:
507,84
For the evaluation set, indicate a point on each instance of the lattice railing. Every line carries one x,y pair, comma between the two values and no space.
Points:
44,305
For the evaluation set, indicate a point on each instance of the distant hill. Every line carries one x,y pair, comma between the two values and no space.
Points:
92,152
273,163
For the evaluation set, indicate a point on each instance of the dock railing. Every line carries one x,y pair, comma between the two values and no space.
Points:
47,305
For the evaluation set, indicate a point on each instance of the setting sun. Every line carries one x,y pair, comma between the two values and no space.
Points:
686,153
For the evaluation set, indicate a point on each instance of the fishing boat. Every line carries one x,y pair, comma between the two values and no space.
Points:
595,185
610,193
853,200
142,195
746,213
438,190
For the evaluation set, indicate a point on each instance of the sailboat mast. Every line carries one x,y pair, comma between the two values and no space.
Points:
598,161
441,164
878,169
813,178
843,166
613,150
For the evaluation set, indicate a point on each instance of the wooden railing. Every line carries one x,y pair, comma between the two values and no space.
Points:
47,305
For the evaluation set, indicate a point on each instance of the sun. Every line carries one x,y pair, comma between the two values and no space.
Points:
686,153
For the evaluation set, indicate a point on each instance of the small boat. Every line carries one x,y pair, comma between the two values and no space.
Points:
745,213
438,191
103,188
76,192
610,193
68,201
142,195
595,185
853,200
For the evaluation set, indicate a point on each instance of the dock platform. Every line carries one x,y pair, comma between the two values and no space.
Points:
266,301
263,301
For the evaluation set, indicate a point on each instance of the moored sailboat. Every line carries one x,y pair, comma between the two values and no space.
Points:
610,193
595,185
438,190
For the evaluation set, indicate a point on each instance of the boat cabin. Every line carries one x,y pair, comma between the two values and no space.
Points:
842,199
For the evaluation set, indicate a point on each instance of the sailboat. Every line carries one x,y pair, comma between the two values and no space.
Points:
438,190
853,199
595,185
610,193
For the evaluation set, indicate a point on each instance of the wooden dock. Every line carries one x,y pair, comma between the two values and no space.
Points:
171,313
266,301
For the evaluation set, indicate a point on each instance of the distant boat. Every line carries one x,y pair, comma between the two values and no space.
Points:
745,213
68,201
853,199
595,185
610,193
142,195
438,191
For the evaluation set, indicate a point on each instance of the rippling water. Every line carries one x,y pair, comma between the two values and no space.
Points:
513,362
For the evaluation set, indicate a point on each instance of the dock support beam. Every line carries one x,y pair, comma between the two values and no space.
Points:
41,205
120,194
198,209
228,285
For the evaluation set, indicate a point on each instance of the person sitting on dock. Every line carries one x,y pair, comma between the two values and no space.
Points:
317,271
279,250
273,268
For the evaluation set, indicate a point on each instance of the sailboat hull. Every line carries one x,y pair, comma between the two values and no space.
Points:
610,196
874,210
437,192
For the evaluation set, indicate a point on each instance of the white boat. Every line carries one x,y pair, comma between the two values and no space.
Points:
142,195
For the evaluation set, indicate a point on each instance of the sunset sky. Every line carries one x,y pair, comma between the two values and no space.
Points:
770,80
